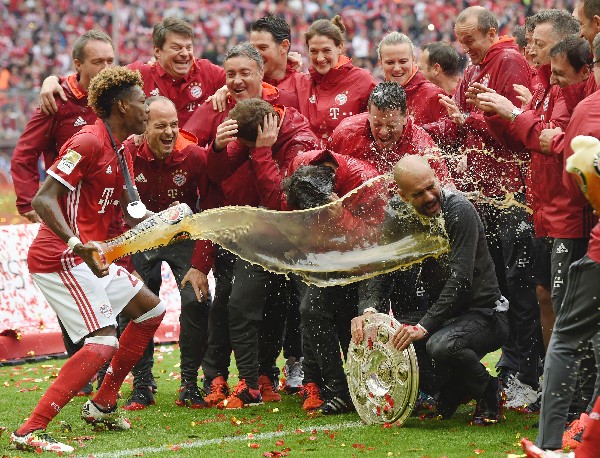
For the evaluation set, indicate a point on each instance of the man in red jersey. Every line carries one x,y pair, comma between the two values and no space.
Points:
45,135
176,74
78,201
169,167
386,133
326,312
544,185
441,64
492,169
244,72
251,151
271,36
578,317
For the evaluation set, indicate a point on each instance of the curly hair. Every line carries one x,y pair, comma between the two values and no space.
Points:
110,85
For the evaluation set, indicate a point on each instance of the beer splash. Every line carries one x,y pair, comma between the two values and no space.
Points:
335,244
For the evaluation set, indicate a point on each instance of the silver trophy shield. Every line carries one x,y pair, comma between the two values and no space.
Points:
383,382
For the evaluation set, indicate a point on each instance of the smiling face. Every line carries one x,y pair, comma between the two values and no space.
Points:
543,39
589,27
324,54
274,54
474,42
397,62
386,126
243,78
162,129
176,55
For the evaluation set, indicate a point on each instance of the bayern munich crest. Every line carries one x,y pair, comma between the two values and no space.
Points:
383,382
341,98
179,179
106,310
196,91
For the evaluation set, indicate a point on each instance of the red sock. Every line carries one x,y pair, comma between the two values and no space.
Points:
76,372
132,344
590,447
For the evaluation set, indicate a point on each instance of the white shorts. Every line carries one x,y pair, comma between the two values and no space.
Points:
85,303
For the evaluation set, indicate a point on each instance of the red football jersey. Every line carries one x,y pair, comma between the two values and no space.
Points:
87,165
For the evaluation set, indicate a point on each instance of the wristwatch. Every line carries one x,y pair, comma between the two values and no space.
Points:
514,113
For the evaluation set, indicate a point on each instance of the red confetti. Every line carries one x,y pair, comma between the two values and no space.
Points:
358,446
279,443
387,425
370,343
312,438
254,445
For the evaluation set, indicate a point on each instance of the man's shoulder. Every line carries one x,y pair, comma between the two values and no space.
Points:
456,203
89,137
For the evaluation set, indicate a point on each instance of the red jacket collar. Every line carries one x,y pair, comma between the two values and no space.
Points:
504,42
344,64
76,89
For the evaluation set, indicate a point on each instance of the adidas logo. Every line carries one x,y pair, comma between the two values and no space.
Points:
141,178
109,169
154,92
562,248
79,122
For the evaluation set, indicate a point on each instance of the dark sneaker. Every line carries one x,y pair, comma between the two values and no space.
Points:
191,396
87,390
447,404
241,397
38,441
489,408
336,405
425,403
141,397
505,376
533,408
219,390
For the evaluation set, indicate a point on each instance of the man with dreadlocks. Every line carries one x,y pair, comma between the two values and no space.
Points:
76,203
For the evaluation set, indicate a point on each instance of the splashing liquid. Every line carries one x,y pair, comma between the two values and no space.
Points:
335,244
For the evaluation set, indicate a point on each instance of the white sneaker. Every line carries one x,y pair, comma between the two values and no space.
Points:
293,375
37,441
519,394
112,420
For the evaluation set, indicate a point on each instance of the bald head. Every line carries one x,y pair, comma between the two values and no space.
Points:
162,128
418,185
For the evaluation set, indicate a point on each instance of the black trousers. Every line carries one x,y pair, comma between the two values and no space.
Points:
193,320
248,316
458,346
325,320
509,238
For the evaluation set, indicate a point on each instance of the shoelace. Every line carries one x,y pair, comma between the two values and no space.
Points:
239,388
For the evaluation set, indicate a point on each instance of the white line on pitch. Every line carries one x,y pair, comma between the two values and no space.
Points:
204,443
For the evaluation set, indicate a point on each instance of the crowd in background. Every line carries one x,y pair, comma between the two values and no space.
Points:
37,35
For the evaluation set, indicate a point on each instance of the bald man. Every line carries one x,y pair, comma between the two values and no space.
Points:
467,316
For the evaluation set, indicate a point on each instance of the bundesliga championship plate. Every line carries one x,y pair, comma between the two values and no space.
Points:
383,382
